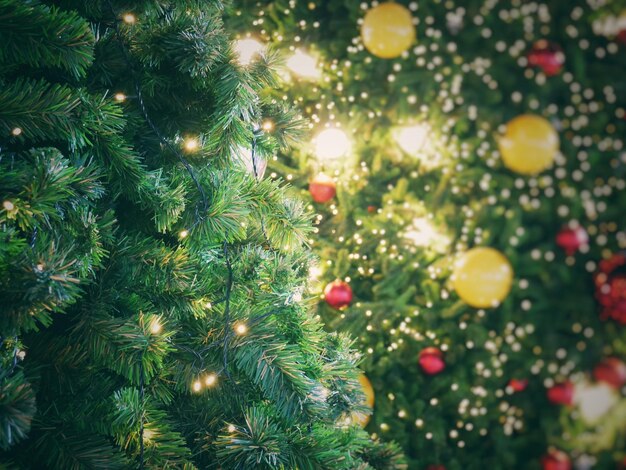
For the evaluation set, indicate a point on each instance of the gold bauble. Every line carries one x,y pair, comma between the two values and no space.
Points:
483,277
529,145
361,418
388,30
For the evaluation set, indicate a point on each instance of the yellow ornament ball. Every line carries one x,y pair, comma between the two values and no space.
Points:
529,145
483,277
361,418
388,30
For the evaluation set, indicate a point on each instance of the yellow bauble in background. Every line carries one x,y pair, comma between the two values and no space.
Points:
483,277
529,145
361,418
388,30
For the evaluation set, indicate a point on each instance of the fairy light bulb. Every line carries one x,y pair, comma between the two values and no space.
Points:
331,144
210,380
247,50
241,328
129,18
120,97
16,131
191,144
268,126
8,205
155,326
412,139
183,234
303,65
196,386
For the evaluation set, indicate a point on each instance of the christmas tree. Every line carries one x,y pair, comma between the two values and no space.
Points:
466,161
154,304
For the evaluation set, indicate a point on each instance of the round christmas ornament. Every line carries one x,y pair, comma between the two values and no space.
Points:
546,56
322,188
388,30
431,361
338,294
561,393
518,385
529,145
612,371
362,418
482,277
556,460
572,239
610,283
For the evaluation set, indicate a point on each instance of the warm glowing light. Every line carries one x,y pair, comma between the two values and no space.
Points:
120,97
210,380
331,144
412,139
423,233
241,328
247,50
231,428
129,18
268,126
148,434
8,205
16,131
191,144
155,326
304,65
197,386
594,400
183,233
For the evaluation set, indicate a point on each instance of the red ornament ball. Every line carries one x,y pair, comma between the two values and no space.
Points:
572,239
322,188
518,385
610,284
431,361
612,371
561,393
338,294
556,460
547,56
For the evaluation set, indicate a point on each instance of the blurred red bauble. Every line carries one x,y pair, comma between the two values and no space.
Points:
371,209
338,294
572,239
547,56
431,361
612,371
322,188
556,460
561,393
610,283
518,385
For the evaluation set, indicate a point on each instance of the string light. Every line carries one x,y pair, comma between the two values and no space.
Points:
129,18
210,380
268,126
412,139
16,131
119,97
191,144
247,50
303,65
331,144
183,234
155,326
240,328
8,205
197,386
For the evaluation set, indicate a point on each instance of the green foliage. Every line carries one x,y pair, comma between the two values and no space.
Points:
400,219
128,258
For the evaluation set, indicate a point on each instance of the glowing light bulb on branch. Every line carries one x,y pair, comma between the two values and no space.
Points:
196,386
594,400
241,328
304,65
331,144
129,18
155,326
412,139
191,144
247,50
210,380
